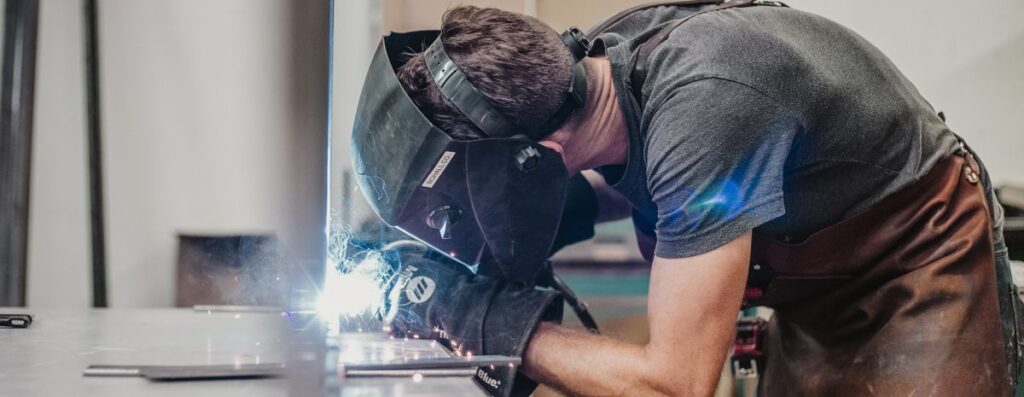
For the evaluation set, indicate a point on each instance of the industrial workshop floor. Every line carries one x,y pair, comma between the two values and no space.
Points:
619,303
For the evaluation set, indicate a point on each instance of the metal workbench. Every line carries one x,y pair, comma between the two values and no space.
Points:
48,358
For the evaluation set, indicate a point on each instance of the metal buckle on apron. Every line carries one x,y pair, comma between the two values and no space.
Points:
969,172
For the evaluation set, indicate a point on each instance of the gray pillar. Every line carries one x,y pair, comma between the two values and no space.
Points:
17,86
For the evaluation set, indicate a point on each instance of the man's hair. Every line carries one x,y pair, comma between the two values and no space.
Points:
516,61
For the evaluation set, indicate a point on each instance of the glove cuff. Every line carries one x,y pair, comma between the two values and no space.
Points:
513,316
509,325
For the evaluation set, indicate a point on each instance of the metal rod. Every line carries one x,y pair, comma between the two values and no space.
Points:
434,363
112,370
95,144
401,373
237,309
17,88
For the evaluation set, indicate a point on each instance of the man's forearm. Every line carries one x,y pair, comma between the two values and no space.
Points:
580,363
692,306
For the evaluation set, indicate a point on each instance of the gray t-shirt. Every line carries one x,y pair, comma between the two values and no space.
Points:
762,118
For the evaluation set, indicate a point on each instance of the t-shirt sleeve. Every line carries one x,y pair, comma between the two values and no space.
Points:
715,154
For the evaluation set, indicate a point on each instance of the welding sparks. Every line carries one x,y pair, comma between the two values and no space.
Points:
358,290
361,285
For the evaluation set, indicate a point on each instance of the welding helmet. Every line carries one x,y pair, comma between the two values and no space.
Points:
492,203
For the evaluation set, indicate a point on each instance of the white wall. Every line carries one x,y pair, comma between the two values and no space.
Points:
966,58
214,121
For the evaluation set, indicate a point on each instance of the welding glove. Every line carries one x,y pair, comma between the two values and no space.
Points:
473,314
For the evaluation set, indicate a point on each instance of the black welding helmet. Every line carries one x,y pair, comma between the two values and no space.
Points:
493,202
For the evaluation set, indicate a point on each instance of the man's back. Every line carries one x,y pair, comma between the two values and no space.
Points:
856,129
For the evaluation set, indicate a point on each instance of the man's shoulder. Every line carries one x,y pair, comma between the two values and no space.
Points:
643,21
739,43
785,54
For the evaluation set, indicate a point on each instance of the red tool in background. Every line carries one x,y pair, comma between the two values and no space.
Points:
747,354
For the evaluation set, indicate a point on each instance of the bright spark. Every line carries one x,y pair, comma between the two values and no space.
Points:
358,291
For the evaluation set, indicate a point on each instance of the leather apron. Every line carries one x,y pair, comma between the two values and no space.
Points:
900,300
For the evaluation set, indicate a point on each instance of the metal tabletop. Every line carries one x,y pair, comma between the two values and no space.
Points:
48,358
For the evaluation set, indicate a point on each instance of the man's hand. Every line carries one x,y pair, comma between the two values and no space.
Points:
692,307
589,200
474,314
611,205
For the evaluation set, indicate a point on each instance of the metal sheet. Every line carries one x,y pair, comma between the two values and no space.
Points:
47,359
189,372
378,349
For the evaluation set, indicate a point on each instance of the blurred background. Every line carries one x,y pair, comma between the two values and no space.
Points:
213,124
212,119
159,153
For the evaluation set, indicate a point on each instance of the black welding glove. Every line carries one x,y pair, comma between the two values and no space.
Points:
472,313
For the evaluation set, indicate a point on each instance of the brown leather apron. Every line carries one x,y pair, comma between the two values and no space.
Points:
899,300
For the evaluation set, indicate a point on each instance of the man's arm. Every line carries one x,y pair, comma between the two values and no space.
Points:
692,307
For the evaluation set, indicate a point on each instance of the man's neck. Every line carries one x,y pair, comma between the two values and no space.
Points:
601,136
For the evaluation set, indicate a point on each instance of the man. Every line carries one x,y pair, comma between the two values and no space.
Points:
770,156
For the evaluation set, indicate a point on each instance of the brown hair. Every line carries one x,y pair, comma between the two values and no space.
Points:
517,62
